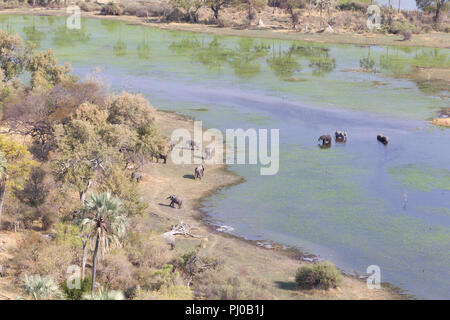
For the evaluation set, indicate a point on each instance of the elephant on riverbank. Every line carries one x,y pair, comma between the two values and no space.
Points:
175,200
199,171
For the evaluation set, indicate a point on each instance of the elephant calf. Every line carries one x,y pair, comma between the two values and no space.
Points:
199,171
383,139
175,200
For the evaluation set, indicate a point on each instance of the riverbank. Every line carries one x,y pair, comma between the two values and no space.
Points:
434,40
270,272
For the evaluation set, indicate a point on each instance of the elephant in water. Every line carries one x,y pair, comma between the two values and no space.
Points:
383,139
199,171
340,136
326,140
175,200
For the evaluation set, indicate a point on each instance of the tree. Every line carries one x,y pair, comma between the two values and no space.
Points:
103,218
251,6
45,71
14,55
191,8
16,163
437,5
217,5
82,148
291,8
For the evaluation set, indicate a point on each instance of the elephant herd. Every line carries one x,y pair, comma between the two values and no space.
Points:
341,137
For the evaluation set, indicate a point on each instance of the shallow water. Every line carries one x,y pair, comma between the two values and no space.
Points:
347,203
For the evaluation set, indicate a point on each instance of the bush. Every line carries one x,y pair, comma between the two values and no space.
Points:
77,294
321,275
40,287
111,9
353,6
400,27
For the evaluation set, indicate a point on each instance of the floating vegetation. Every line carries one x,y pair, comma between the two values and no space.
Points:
421,177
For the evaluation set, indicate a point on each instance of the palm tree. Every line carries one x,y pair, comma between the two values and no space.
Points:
103,219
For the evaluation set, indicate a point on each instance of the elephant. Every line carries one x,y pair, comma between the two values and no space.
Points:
170,146
192,144
383,139
136,176
175,200
160,156
199,171
340,136
326,140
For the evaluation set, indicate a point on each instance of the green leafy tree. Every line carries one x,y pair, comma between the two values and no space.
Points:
14,55
82,149
16,164
45,71
103,218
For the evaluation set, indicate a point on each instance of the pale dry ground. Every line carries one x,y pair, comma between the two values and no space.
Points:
274,268
8,242
275,31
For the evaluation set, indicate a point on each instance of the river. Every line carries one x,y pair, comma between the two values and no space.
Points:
357,204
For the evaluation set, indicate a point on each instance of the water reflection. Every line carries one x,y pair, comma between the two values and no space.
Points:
143,48
283,63
33,34
64,37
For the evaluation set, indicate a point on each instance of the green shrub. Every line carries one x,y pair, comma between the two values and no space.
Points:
353,6
321,275
76,294
401,27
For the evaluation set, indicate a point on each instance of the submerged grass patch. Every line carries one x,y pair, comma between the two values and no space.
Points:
421,177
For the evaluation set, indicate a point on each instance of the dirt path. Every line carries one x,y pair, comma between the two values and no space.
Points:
8,242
